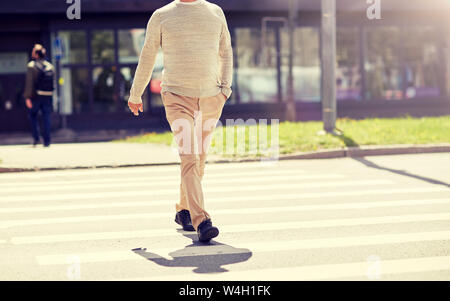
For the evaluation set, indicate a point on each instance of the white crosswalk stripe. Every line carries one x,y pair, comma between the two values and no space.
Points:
336,219
132,171
318,272
256,247
167,191
151,179
151,183
281,197
219,212
234,228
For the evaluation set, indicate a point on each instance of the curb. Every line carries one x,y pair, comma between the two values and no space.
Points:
362,151
12,169
321,154
372,151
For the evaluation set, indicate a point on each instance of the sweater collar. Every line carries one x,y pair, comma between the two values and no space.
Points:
189,3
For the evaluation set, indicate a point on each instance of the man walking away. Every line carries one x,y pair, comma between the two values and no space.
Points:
38,93
198,68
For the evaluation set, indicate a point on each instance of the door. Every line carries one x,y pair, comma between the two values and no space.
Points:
13,66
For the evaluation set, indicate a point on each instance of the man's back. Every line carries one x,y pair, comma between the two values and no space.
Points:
32,76
196,46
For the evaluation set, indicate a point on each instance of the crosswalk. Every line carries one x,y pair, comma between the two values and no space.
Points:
281,221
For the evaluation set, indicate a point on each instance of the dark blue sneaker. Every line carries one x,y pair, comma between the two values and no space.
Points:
206,231
183,218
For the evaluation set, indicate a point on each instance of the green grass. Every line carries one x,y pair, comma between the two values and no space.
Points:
302,136
164,138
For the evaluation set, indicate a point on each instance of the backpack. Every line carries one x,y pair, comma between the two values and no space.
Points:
45,78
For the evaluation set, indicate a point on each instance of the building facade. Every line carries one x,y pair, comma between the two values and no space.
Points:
399,64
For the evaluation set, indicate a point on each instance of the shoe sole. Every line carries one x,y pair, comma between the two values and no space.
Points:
188,228
210,234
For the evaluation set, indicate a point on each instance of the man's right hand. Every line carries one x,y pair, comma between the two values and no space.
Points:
28,103
136,107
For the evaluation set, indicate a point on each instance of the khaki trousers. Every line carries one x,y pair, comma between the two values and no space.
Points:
192,121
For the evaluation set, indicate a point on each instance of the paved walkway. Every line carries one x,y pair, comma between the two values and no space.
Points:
83,150
380,218
71,155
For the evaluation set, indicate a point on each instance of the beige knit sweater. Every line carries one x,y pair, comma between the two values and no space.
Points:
196,46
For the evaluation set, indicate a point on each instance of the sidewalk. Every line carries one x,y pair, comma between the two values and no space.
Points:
84,155
70,136
115,154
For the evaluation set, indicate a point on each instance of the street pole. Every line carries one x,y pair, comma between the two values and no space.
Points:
328,59
58,52
290,103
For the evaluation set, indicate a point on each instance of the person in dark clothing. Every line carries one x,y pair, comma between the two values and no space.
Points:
38,93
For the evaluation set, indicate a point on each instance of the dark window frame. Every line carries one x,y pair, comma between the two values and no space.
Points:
241,20
90,66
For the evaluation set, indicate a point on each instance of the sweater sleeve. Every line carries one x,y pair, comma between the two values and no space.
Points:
147,58
29,82
225,59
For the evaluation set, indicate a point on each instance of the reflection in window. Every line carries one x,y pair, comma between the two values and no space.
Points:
155,82
102,44
104,97
125,81
384,79
447,59
74,43
2,96
256,72
420,55
130,45
348,76
306,67
75,97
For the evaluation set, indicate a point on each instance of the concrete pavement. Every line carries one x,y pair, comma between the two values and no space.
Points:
377,218
115,154
93,154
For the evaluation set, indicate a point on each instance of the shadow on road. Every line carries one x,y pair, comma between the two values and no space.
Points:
205,258
400,172
349,142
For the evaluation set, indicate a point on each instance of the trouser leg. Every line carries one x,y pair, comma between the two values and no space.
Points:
33,117
192,189
211,110
180,112
201,170
46,116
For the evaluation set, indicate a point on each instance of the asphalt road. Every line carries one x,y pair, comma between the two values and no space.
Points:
373,218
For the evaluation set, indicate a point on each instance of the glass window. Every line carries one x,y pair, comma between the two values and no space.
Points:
75,98
131,42
125,81
102,45
155,82
256,77
74,43
447,58
105,100
423,68
13,62
306,67
348,76
384,75
2,95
